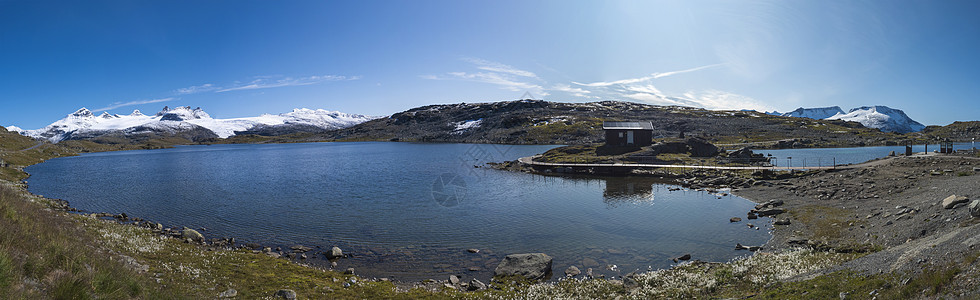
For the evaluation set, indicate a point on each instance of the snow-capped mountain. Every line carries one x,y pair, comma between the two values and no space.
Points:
84,124
815,113
881,117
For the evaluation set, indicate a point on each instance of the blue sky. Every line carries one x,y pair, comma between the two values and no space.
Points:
244,58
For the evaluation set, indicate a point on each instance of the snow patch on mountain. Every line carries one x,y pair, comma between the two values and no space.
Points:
184,118
881,117
465,125
815,113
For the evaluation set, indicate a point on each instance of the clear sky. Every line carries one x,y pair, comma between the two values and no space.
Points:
244,58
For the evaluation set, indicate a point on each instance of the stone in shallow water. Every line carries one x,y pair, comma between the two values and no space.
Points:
335,252
572,271
534,266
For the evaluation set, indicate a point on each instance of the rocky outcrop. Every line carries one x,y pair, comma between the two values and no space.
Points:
534,266
953,200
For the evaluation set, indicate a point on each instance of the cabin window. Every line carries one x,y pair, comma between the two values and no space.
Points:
620,134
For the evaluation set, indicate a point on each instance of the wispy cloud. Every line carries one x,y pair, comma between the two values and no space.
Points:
265,83
645,78
131,103
504,76
665,74
207,87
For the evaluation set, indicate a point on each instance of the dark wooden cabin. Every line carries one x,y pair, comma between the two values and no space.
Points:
637,134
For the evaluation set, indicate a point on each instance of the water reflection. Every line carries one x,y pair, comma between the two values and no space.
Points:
628,190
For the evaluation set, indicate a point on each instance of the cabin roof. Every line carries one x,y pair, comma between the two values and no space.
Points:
645,125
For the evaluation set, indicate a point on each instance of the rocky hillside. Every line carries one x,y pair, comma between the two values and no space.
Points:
543,122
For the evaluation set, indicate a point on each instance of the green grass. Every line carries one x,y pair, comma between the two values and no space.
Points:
44,254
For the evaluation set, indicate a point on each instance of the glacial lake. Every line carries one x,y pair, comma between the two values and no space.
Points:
406,211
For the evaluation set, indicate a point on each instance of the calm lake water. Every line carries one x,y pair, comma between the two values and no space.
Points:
814,157
405,211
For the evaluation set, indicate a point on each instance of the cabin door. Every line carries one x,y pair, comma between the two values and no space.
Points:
629,137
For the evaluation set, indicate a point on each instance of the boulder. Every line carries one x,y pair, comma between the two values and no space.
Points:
334,252
230,293
534,266
782,222
770,212
286,294
453,279
476,285
770,204
975,208
192,234
953,200
702,148
735,219
301,248
572,271
752,216
683,257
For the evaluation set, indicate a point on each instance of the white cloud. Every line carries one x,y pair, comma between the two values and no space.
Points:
131,103
207,87
265,83
578,92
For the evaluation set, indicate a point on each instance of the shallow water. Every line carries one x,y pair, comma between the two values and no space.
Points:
405,211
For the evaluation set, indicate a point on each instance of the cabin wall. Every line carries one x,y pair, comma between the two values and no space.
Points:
641,138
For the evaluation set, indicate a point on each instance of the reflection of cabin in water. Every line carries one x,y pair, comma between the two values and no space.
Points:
637,134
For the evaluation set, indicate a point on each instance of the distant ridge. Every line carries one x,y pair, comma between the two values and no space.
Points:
880,117
182,119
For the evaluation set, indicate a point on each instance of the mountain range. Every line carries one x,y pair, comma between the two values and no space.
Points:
195,124
885,118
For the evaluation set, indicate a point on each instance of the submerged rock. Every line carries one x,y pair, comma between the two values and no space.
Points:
683,257
572,271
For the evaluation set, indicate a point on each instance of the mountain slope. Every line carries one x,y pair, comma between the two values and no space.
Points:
543,122
193,124
882,117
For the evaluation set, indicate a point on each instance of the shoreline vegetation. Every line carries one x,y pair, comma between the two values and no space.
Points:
879,231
